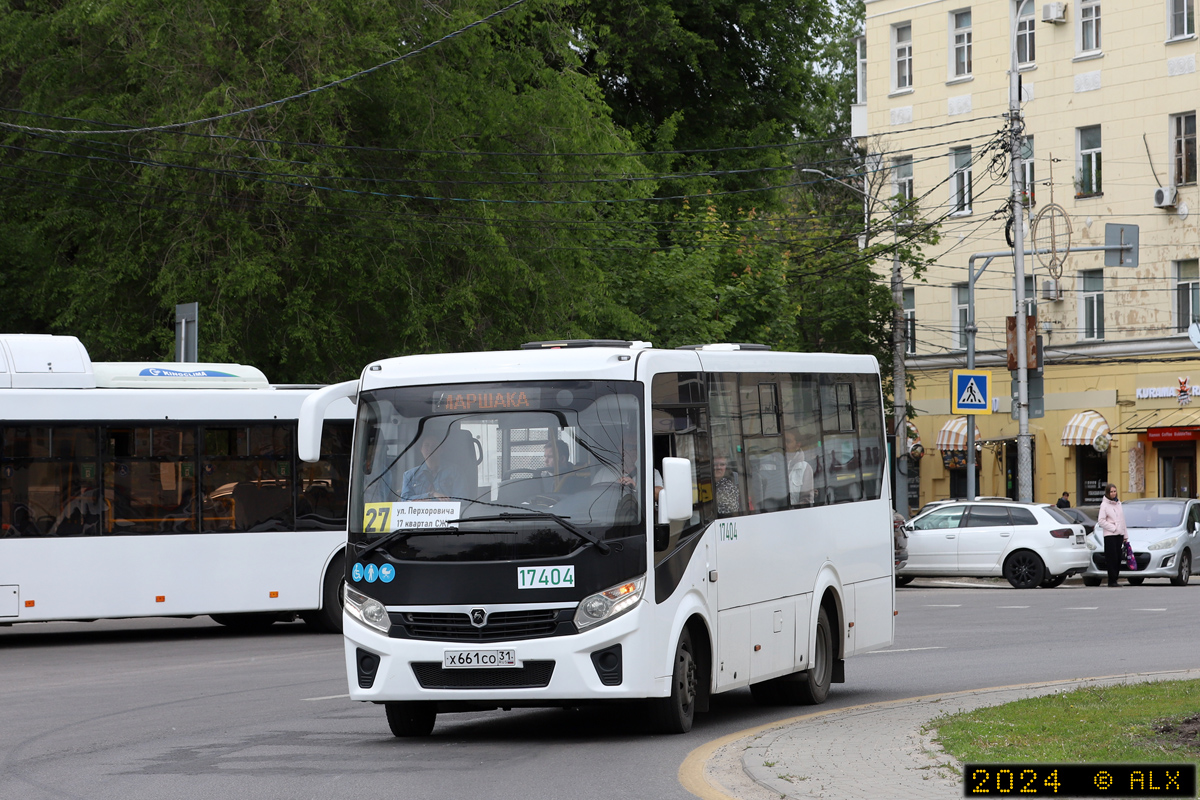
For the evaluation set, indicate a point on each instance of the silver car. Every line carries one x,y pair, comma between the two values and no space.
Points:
1164,533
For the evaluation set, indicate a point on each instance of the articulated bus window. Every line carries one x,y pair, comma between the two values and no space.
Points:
49,481
324,485
150,479
248,478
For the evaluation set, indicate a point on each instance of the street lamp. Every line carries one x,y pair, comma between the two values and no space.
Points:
899,380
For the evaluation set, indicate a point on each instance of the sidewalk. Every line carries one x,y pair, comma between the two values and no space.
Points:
871,752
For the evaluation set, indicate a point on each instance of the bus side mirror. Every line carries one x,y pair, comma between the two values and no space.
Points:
675,499
312,417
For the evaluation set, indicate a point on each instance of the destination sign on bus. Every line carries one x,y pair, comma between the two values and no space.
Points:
487,399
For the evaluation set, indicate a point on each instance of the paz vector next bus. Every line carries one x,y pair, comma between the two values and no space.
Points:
584,521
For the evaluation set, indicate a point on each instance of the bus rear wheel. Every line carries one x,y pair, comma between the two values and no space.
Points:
810,688
675,712
328,618
411,718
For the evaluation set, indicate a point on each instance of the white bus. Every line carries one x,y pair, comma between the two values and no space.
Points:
137,489
586,521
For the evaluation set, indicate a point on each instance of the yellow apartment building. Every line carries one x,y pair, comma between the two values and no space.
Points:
1109,95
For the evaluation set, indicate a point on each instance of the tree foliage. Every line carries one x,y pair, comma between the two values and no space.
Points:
519,181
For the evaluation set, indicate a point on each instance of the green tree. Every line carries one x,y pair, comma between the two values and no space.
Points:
422,208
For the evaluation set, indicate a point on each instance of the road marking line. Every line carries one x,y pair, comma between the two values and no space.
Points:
1012,606
903,650
1148,609
943,605
327,697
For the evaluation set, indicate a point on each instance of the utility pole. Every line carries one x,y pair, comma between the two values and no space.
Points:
1024,459
899,381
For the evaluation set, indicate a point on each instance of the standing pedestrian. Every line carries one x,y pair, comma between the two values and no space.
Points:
1064,501
1111,520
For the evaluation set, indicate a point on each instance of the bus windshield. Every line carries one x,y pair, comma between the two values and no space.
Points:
487,472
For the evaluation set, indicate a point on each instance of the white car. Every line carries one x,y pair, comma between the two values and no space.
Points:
1029,544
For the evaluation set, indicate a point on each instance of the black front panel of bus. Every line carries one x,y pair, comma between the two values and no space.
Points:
426,583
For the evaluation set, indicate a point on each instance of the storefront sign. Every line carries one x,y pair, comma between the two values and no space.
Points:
1173,434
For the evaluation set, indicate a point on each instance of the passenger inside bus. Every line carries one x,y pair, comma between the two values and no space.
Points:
800,472
725,487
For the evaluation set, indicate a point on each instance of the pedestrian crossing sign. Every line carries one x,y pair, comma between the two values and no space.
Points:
971,391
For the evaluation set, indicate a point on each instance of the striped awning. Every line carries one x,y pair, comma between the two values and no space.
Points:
953,435
1084,427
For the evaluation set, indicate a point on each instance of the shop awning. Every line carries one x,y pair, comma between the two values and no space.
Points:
953,435
1084,427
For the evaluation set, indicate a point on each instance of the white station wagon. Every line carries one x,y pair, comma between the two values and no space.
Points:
1029,544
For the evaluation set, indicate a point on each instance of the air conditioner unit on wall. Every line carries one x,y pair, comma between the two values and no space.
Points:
1054,12
1165,197
1051,291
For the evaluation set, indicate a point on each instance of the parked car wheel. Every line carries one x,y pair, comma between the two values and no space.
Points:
1136,581
1024,569
1091,581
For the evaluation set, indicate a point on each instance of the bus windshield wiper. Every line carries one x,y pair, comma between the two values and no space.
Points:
535,514
399,534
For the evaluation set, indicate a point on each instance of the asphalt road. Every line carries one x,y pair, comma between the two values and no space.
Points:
186,709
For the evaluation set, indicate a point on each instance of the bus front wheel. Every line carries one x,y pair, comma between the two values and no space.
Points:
675,712
412,718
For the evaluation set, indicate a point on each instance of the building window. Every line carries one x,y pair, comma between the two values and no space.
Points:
1188,293
861,46
1026,22
1093,303
1183,147
1028,185
910,322
1182,18
1089,26
960,315
960,43
902,178
960,180
1089,180
902,56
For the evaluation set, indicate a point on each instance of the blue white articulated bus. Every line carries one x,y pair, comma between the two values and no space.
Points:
576,522
139,489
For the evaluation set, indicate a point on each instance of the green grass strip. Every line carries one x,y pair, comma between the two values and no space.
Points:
1144,722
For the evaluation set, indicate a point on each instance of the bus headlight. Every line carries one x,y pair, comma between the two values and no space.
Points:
609,604
367,610
1165,544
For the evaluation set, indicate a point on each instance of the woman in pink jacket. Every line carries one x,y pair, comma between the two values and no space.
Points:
1111,520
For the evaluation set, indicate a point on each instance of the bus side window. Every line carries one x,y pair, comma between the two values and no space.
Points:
766,466
802,442
679,430
870,434
842,458
729,469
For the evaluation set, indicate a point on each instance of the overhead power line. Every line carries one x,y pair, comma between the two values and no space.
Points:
282,100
